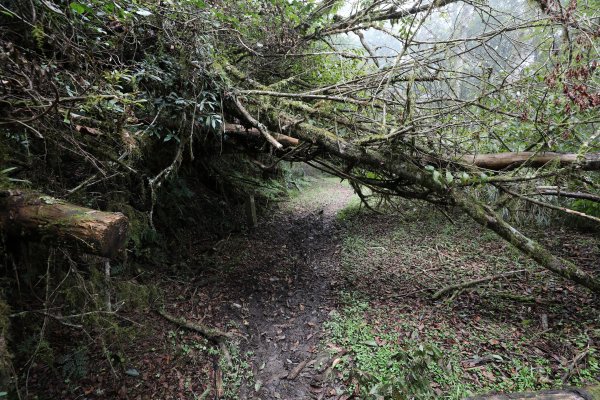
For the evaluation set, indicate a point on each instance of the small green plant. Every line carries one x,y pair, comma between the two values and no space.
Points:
382,364
235,374
352,209
74,365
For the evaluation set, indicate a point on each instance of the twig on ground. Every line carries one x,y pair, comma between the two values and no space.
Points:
296,371
573,366
460,286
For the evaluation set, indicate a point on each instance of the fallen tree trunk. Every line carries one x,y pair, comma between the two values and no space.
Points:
490,219
567,394
410,174
30,214
507,161
237,129
554,191
479,212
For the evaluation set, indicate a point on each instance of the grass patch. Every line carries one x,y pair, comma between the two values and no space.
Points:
352,209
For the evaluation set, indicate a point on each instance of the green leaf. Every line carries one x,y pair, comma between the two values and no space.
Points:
436,176
449,177
78,8
143,12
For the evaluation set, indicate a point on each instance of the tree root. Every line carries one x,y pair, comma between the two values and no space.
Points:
214,335
459,286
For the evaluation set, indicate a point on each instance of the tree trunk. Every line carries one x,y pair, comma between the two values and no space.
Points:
506,161
569,394
555,191
32,215
490,219
240,130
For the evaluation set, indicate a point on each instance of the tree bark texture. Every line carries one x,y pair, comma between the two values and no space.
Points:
31,215
240,130
506,161
591,393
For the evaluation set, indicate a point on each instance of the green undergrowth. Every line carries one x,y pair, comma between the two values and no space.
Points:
352,209
383,364
486,338
403,357
192,353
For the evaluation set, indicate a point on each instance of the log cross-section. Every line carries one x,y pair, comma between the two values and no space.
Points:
31,215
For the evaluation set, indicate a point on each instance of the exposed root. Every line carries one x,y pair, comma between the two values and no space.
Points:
460,286
212,334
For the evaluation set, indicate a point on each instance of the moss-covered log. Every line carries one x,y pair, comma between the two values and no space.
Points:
31,215
490,219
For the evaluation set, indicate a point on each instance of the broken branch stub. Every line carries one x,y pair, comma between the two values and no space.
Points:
31,215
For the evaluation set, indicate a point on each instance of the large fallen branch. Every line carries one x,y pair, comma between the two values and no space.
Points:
30,214
410,174
506,161
237,129
479,212
490,219
255,123
554,191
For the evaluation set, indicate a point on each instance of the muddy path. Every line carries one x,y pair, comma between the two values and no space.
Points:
284,300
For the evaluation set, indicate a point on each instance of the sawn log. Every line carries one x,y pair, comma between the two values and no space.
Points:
34,216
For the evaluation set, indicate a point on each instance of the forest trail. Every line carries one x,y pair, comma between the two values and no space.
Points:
286,307
317,280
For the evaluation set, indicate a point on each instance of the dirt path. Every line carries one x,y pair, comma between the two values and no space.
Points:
274,287
283,307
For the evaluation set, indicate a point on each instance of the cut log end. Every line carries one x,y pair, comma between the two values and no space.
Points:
32,215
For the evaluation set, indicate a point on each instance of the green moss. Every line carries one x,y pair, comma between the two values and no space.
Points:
136,296
140,231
